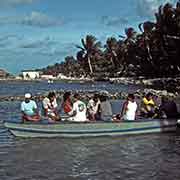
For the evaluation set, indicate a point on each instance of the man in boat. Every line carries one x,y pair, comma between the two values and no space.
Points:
29,109
105,108
79,110
148,107
67,104
129,110
93,108
50,107
168,108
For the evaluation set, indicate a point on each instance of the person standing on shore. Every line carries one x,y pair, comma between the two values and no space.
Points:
50,107
29,109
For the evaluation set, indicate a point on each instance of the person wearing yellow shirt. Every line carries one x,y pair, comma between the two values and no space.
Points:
148,106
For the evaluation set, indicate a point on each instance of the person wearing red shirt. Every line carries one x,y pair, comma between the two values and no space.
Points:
67,103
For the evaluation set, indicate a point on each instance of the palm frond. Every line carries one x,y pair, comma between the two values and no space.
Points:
84,44
123,37
97,45
79,47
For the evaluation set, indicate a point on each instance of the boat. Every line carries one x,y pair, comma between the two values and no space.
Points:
67,129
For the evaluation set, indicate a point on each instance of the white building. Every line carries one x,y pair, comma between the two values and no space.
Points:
47,76
30,74
61,76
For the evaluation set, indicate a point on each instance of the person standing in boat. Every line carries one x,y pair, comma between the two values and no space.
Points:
129,110
79,110
50,107
29,109
93,108
67,104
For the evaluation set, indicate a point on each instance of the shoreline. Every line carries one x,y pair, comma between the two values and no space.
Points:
158,86
120,80
70,80
87,94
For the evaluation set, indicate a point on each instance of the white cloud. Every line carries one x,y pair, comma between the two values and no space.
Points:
34,19
149,7
15,2
40,19
114,21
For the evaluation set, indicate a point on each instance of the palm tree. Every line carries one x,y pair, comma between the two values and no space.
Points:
70,62
90,46
111,49
147,29
127,47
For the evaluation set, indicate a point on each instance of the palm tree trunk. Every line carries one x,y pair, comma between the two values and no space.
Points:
112,62
90,66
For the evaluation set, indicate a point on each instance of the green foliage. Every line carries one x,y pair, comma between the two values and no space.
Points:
154,52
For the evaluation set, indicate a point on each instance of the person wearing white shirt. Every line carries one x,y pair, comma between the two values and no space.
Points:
129,110
94,108
79,110
50,107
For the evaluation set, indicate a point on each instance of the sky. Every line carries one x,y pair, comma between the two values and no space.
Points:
37,33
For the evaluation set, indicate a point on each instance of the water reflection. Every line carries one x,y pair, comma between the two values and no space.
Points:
138,157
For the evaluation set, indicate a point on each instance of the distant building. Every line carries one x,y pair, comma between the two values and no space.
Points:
47,76
61,76
30,74
3,73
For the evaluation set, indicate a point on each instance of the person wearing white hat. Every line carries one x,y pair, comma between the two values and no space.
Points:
29,109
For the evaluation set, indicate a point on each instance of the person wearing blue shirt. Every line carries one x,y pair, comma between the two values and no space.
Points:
29,109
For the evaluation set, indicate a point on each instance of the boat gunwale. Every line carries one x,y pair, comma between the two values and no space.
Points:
88,122
92,131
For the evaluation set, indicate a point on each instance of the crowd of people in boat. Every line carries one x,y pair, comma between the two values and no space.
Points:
98,108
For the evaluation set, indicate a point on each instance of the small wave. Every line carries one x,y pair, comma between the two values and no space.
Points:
3,131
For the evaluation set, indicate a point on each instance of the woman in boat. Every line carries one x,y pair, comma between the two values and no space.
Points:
93,108
105,108
50,107
129,110
168,108
67,103
148,107
29,109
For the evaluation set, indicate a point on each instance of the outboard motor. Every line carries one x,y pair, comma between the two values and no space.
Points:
178,123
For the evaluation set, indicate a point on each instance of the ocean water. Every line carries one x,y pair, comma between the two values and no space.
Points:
19,88
144,157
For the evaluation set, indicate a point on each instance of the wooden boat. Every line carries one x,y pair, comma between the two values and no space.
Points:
65,129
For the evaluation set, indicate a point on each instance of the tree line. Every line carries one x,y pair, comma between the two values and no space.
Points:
152,52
